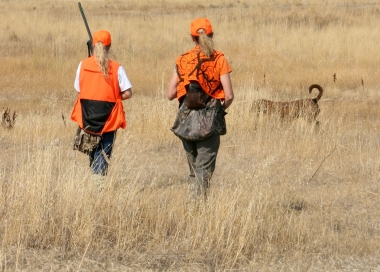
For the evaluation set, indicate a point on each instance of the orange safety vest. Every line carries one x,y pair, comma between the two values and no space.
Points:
195,66
98,108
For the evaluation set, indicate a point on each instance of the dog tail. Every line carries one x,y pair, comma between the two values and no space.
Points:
319,89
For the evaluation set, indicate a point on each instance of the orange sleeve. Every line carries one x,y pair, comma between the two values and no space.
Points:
223,65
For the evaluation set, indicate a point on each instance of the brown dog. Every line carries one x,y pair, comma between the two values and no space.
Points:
304,108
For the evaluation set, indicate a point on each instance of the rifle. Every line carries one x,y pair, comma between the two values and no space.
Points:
89,42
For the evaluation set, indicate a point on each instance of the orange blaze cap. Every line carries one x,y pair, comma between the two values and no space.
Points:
199,24
102,36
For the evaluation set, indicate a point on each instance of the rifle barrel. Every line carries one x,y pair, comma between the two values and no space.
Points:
85,21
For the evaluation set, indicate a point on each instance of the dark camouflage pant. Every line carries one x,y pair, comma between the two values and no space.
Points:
201,157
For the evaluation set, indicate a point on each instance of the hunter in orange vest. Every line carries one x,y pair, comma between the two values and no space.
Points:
201,83
102,84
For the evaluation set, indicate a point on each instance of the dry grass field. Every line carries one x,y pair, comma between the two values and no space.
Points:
285,196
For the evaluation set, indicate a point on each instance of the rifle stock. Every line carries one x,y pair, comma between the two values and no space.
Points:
89,42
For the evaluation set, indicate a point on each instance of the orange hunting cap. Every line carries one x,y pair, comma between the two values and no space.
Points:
102,36
200,23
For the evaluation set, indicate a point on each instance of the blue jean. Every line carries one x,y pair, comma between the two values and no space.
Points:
98,163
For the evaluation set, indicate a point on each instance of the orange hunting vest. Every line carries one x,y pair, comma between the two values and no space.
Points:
195,66
98,108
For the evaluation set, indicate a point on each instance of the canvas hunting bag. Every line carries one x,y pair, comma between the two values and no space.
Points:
85,142
199,124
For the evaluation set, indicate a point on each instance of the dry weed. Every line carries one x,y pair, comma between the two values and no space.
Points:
8,119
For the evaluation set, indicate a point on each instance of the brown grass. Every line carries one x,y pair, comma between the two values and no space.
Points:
284,197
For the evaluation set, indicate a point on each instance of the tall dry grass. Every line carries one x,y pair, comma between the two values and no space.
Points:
284,197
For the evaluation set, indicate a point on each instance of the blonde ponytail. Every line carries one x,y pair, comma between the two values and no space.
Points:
206,43
101,56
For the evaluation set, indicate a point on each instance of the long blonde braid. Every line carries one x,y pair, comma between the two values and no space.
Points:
101,56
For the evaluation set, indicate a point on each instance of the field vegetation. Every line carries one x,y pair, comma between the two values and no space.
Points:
285,196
